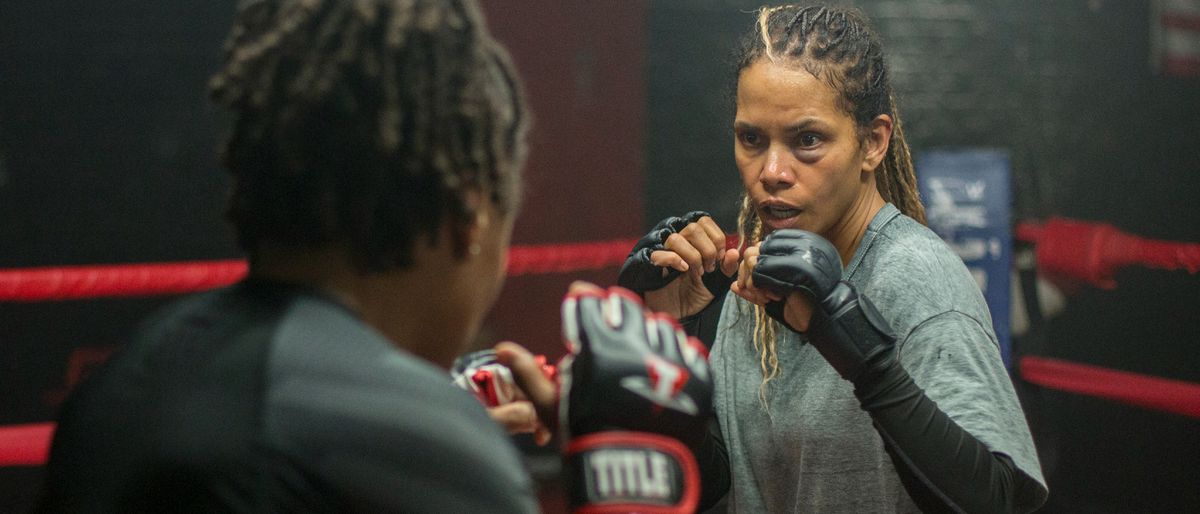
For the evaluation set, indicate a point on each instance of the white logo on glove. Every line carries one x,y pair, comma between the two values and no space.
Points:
629,473
663,385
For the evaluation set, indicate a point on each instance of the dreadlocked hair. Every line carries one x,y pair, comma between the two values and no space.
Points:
750,230
838,46
366,123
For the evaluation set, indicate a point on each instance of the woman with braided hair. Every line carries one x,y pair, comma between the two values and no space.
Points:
376,152
855,364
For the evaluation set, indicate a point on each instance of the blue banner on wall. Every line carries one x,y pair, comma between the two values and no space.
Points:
968,199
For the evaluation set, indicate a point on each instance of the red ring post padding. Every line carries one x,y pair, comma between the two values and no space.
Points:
1092,253
25,445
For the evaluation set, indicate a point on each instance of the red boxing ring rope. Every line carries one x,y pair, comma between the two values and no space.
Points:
116,280
125,280
1060,243
1175,396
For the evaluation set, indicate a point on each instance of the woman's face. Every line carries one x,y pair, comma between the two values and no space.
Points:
799,154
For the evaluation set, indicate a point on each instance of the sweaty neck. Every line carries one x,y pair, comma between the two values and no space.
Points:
848,232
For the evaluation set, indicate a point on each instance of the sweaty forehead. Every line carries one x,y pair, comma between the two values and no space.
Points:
769,91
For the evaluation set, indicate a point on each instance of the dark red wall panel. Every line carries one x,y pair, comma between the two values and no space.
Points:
583,65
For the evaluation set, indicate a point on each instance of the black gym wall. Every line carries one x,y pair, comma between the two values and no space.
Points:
107,155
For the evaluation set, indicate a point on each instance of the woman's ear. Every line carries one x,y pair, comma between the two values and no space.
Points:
876,144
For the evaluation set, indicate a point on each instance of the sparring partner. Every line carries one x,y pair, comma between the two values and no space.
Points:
375,151
856,369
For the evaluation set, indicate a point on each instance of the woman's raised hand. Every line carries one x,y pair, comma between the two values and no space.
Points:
681,265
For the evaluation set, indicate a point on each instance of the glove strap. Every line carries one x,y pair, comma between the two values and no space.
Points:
620,472
849,332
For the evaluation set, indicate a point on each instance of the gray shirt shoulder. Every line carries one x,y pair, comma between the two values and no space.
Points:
944,332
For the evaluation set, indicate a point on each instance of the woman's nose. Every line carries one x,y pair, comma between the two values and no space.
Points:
777,171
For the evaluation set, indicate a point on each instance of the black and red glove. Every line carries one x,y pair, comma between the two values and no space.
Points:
481,374
636,394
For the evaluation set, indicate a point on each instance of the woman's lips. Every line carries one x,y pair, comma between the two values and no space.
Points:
778,216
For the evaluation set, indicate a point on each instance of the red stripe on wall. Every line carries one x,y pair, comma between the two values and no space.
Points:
1181,21
1182,66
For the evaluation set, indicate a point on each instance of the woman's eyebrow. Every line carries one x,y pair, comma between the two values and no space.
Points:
743,126
802,125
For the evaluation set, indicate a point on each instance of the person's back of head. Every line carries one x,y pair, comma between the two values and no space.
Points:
366,124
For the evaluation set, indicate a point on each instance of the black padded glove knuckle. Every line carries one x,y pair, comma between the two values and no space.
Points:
795,260
695,216
772,277
845,327
807,252
638,274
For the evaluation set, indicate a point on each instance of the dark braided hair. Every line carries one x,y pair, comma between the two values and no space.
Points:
839,47
366,123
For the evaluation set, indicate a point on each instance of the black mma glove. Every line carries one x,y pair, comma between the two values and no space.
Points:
942,467
845,326
636,394
639,275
